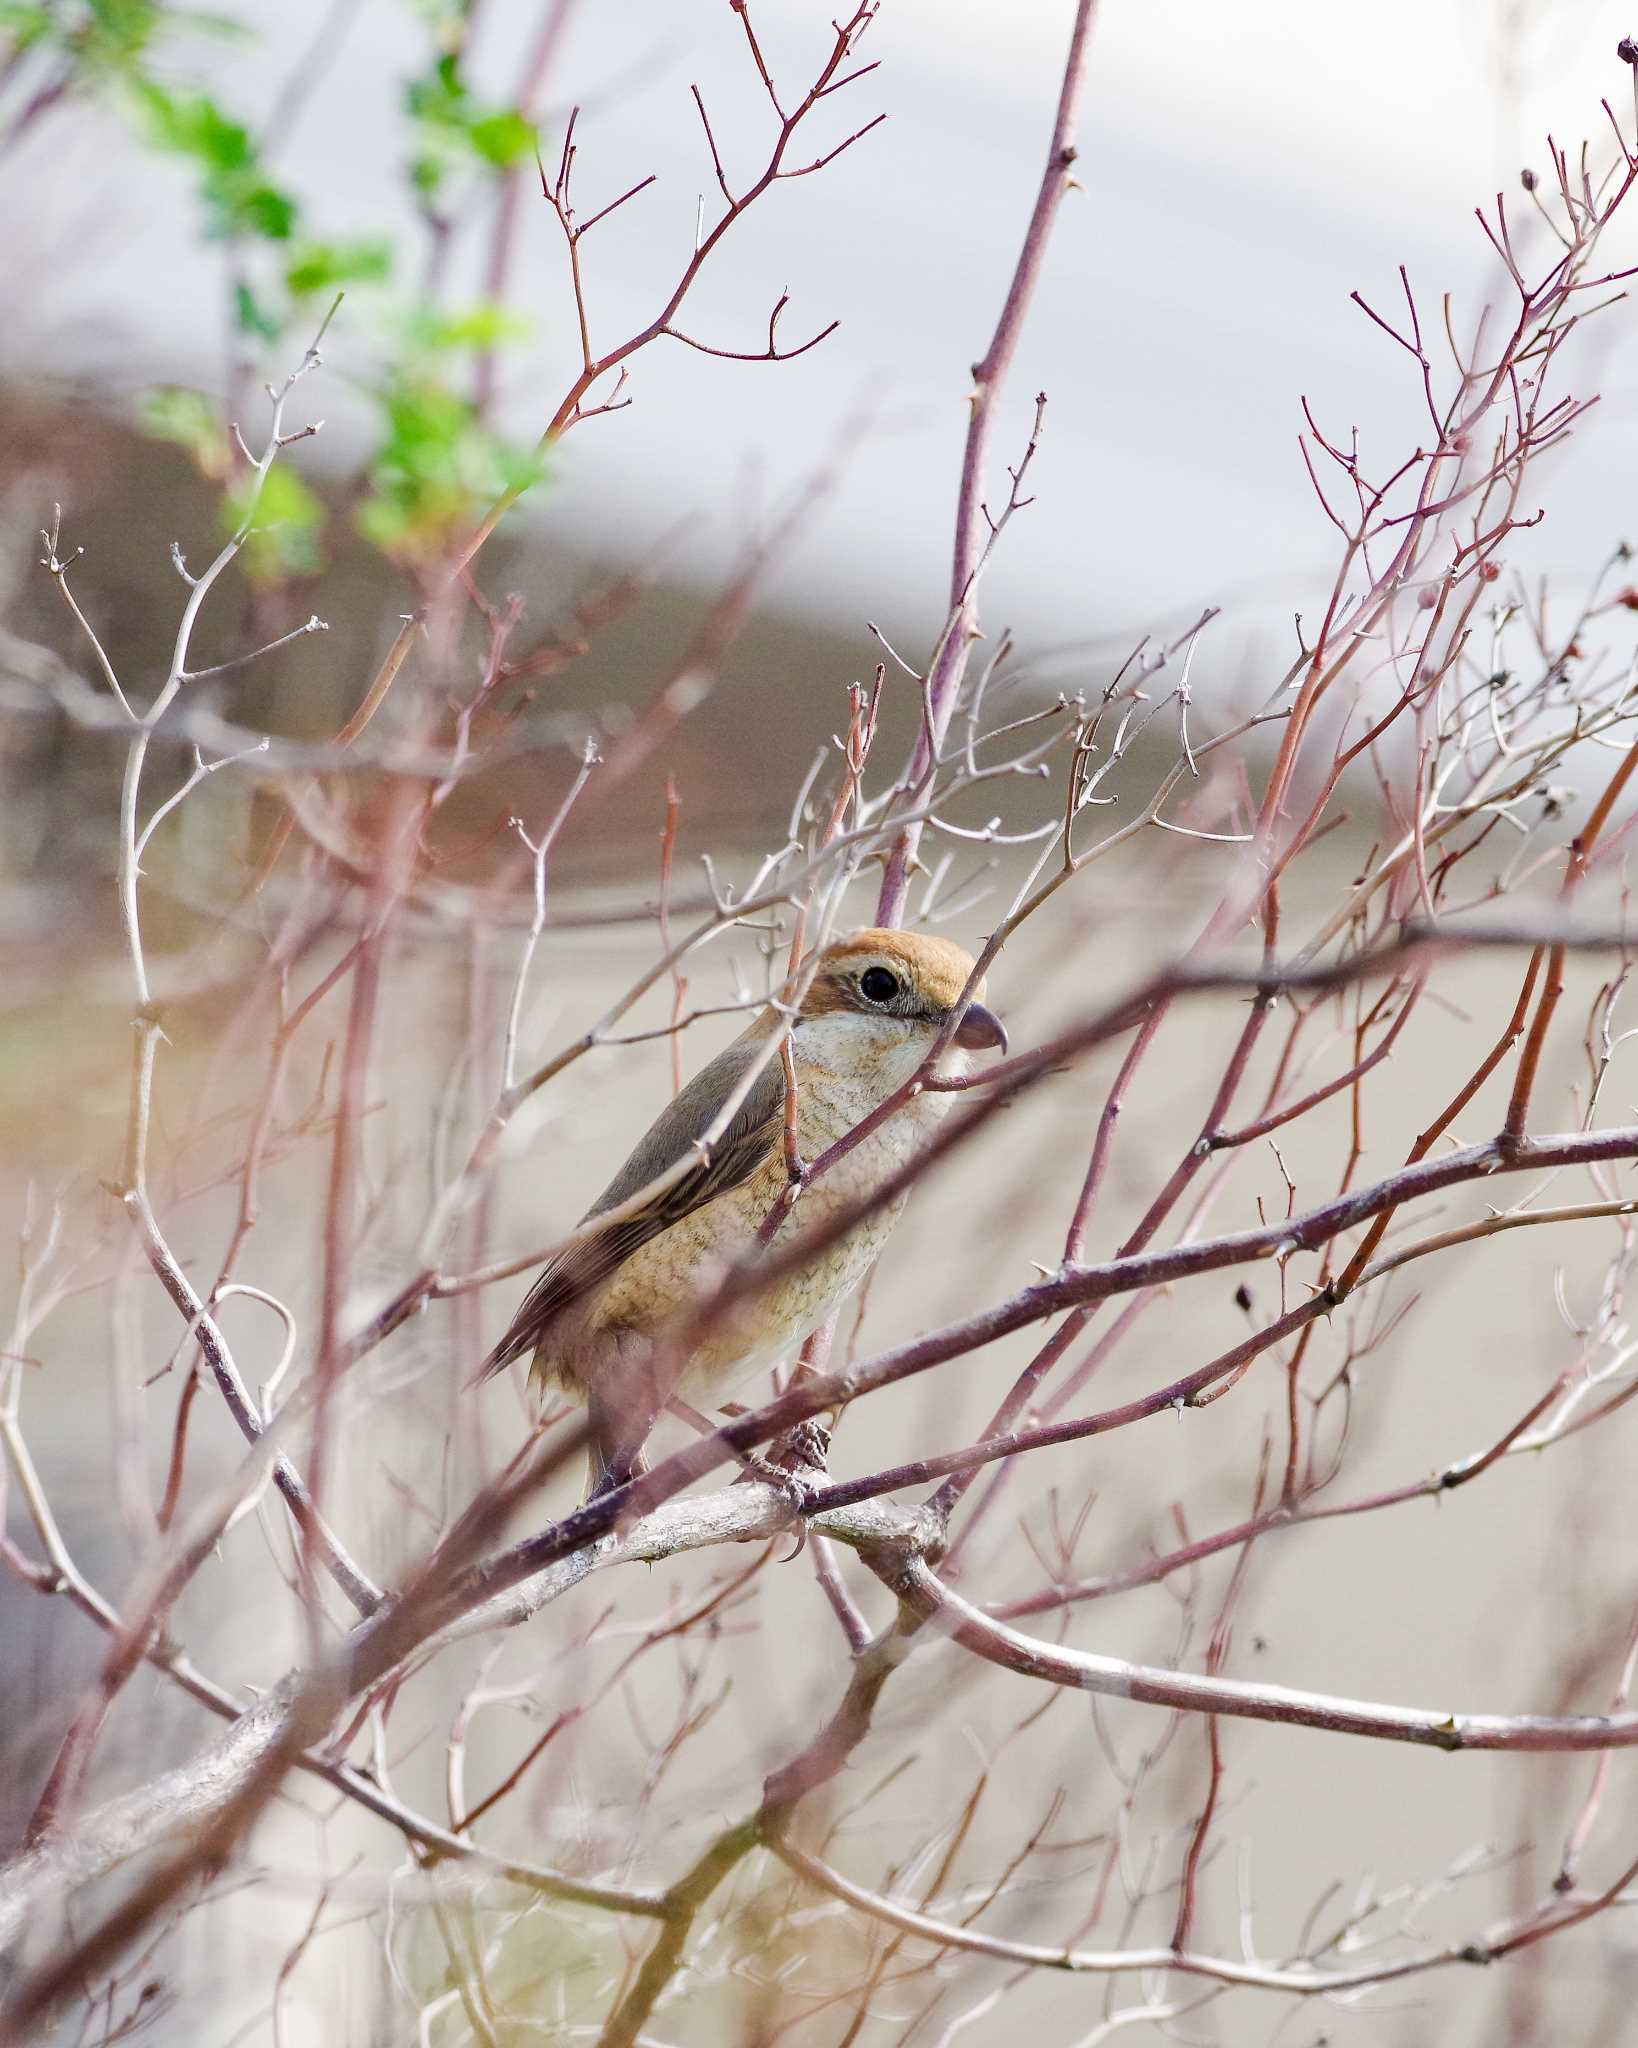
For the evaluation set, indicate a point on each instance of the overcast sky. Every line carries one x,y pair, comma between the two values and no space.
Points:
1245,169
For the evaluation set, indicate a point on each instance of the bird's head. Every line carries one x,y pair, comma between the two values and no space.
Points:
899,990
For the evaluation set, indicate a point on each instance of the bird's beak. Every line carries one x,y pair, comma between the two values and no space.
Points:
981,1030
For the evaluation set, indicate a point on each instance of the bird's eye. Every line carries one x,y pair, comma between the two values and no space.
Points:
878,985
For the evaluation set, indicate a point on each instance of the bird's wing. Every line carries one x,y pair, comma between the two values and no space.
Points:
734,1157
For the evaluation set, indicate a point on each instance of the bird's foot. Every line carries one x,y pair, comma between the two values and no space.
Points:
804,1448
793,1464
759,1471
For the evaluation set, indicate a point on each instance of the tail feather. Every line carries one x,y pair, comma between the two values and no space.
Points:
504,1354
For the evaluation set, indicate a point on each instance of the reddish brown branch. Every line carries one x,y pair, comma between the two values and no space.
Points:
989,382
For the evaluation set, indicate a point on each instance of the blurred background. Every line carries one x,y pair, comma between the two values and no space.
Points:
1243,175
189,189
184,194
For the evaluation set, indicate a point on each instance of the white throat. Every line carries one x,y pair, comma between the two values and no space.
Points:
851,1044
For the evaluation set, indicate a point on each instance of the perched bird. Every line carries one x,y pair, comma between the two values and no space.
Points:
597,1319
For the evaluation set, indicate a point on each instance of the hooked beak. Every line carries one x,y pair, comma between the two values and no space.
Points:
981,1030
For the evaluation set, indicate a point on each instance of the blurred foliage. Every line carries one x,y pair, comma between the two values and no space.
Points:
103,40
188,418
289,519
434,465
239,198
284,540
326,267
455,132
436,460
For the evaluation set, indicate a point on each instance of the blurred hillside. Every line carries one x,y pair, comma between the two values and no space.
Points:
756,690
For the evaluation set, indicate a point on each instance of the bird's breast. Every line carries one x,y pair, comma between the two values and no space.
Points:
828,1109
663,1276
807,1290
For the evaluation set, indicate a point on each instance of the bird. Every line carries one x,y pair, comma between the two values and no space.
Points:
604,1320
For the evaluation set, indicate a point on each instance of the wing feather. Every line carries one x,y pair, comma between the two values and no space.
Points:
674,1134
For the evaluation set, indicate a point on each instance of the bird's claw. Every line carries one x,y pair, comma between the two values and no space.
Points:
805,1448
793,1463
757,1471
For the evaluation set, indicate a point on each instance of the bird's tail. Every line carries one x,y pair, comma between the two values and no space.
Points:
505,1353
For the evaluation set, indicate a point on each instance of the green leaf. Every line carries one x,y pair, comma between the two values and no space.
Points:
252,317
323,266
267,211
23,27
437,470
286,522
103,38
193,125
484,325
238,198
173,413
454,127
113,34
503,138
438,96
